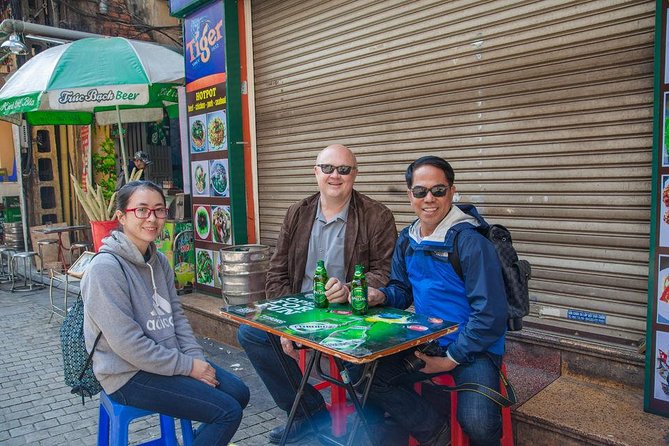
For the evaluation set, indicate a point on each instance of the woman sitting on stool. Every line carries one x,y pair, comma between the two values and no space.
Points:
147,356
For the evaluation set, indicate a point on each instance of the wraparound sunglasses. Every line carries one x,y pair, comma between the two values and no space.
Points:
341,170
438,190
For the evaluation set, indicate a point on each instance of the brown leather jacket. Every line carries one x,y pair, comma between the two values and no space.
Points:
370,240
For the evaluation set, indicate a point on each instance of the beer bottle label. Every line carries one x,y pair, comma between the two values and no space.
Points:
320,300
359,300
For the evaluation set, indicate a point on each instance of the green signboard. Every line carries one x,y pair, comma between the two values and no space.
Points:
213,99
336,328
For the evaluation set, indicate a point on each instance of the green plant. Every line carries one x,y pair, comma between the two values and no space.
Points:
104,166
96,206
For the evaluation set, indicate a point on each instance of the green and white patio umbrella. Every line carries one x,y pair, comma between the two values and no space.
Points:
111,78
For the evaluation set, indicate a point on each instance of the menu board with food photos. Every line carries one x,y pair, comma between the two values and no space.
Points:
210,146
656,388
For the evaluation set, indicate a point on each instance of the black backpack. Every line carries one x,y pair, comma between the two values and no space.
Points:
516,272
77,362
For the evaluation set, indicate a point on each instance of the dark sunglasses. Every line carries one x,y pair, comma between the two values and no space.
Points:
329,168
438,190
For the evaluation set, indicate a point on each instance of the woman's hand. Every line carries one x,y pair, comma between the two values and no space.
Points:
203,371
336,291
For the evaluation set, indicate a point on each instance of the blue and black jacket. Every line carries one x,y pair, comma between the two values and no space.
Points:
422,274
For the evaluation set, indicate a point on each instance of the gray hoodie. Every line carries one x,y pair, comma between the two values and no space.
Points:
143,325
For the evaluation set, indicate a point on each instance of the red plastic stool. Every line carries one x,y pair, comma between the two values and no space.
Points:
458,437
338,407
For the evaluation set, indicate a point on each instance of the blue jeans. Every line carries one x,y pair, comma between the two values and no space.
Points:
480,418
220,408
264,359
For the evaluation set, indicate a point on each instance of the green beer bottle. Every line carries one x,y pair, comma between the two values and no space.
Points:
320,279
359,302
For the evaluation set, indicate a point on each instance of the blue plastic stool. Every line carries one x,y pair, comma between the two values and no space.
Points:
115,419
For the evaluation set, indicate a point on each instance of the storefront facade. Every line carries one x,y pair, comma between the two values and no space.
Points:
544,109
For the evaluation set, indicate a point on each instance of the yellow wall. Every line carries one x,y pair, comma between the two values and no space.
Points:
6,147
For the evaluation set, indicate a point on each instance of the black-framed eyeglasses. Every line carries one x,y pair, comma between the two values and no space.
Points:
146,212
438,190
341,170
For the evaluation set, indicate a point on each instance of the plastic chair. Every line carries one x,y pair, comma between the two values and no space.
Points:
338,407
458,437
115,419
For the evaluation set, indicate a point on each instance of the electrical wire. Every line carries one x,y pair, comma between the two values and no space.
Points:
135,23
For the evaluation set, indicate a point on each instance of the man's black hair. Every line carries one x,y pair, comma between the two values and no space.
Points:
430,160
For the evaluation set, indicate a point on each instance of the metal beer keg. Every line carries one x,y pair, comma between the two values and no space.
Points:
14,236
243,272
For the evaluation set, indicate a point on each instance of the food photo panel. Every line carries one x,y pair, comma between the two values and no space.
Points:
664,213
204,266
197,128
661,387
663,290
202,221
665,132
218,267
218,178
221,225
217,131
200,178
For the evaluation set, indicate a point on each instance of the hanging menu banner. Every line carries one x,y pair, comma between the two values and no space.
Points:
656,388
204,45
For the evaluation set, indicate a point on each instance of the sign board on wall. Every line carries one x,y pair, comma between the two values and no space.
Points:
204,54
656,388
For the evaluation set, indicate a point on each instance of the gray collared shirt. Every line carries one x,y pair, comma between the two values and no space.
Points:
326,243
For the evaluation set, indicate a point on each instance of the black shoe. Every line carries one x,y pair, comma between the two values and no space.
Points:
300,428
441,438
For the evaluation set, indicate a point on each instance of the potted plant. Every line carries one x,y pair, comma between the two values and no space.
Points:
98,200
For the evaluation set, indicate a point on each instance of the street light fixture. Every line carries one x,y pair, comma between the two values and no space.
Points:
14,45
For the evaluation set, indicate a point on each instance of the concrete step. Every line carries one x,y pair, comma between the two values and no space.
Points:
574,392
571,411
203,312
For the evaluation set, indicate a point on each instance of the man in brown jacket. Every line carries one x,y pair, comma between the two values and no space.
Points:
342,227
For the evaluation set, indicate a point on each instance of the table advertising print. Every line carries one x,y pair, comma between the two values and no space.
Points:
656,387
336,330
216,154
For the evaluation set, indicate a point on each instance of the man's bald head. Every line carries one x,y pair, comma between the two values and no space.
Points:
338,151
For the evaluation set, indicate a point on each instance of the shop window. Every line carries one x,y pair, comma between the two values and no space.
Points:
43,142
45,169
47,196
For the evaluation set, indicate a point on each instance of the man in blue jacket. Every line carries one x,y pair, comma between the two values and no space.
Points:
422,275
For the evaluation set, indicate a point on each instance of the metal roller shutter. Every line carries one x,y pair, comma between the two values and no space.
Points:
543,108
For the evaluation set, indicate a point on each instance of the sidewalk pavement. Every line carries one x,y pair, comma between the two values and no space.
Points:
36,408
